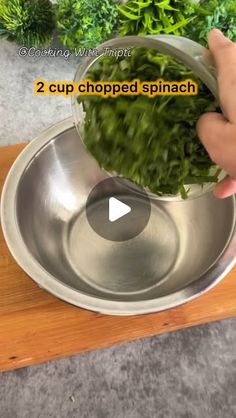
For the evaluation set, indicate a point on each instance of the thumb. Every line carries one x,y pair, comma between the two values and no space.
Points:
218,137
221,49
225,188
211,129
217,43
224,55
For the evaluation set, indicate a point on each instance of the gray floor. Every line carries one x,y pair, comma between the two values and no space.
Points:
188,374
185,374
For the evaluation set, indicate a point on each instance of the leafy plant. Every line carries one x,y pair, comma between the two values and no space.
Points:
211,14
27,22
151,141
152,17
86,23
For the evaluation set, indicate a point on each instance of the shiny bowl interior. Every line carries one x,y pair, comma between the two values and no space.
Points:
185,249
190,53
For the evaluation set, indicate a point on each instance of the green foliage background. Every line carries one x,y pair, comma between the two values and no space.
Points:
86,23
29,23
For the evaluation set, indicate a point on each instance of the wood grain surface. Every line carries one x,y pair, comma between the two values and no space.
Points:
36,327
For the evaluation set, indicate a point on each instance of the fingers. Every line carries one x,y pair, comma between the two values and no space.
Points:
224,55
225,188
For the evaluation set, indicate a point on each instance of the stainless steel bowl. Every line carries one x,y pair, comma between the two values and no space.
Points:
186,248
190,53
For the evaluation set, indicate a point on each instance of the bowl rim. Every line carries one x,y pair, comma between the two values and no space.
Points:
50,283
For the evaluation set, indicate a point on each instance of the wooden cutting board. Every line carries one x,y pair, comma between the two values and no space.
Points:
36,327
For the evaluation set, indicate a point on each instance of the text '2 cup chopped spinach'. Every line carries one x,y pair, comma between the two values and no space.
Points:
150,141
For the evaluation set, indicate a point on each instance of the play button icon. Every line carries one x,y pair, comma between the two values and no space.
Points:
116,210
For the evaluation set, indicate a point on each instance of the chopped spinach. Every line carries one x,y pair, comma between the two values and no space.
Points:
151,141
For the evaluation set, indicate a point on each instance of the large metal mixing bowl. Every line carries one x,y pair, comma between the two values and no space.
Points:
186,248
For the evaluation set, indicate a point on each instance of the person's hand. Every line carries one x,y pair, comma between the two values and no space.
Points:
218,132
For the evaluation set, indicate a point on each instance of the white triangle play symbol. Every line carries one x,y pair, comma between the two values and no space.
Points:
117,209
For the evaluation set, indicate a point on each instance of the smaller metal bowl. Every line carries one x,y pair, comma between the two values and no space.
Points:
193,55
185,249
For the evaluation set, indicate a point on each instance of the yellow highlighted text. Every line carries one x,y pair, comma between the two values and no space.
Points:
106,89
